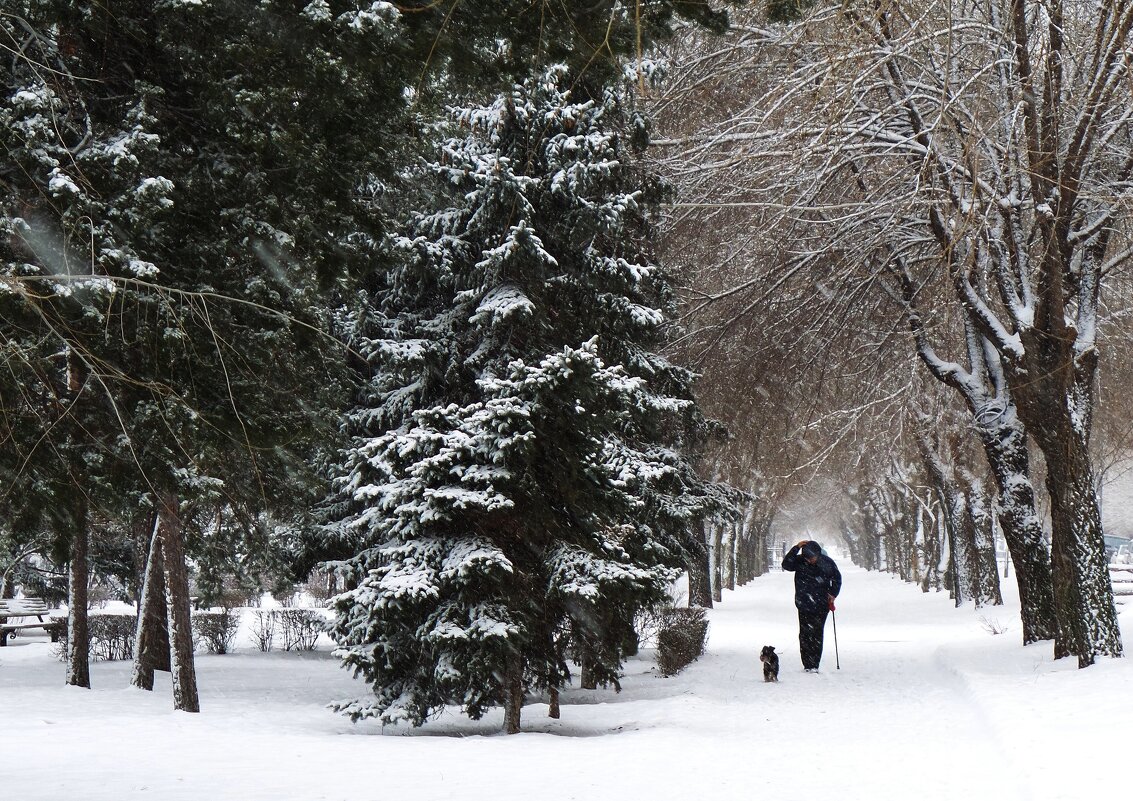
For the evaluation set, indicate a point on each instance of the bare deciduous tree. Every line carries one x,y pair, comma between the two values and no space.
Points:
973,161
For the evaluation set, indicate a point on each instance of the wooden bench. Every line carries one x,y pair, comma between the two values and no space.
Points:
1121,579
24,608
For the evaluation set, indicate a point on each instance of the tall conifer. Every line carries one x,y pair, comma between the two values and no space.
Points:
516,477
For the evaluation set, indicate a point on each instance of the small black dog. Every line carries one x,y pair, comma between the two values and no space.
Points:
770,661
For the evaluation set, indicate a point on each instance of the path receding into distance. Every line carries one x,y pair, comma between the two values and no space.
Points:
929,705
898,720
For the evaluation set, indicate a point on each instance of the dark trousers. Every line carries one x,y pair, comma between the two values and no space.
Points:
811,628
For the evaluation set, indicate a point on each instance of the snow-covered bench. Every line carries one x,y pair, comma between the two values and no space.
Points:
1121,579
23,608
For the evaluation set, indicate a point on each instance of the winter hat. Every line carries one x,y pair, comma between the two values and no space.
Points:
812,549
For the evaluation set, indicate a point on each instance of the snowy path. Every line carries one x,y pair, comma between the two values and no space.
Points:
928,705
878,724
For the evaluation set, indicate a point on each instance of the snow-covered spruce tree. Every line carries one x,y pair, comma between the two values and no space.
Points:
516,482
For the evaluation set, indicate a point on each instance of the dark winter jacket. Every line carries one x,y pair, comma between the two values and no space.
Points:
813,583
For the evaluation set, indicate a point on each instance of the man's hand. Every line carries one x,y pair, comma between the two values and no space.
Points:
830,602
801,543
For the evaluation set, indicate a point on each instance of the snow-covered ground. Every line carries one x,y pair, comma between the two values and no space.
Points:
928,705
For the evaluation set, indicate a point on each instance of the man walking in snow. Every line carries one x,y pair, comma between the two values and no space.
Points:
817,583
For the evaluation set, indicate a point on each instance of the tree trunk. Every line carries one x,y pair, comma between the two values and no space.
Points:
78,579
1056,403
914,539
933,550
553,707
142,534
961,521
151,648
586,678
760,545
715,553
1005,446
178,606
513,693
699,583
1083,593
728,557
986,571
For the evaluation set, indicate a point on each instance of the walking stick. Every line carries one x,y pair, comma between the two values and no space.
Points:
837,660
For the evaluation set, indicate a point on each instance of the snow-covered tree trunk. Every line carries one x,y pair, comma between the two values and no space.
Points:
760,546
700,574
933,550
908,532
178,605
985,391
1083,594
986,573
1005,446
151,644
961,529
78,582
553,710
730,542
916,538
513,693
586,678
716,552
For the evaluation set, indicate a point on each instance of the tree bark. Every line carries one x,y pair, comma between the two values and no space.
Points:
1056,403
586,679
1005,446
957,517
151,649
1083,594
178,606
513,693
78,580
986,571
553,708
728,557
699,583
715,551
760,545
933,550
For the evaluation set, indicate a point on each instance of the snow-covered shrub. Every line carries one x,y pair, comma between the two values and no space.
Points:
301,628
111,637
216,630
992,625
263,629
681,639
648,622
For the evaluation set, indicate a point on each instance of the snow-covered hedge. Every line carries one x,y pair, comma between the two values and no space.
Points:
111,637
216,630
299,628
683,635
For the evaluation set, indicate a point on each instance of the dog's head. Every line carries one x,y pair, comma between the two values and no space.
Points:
767,652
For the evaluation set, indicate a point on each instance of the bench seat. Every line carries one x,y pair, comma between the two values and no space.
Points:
23,608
